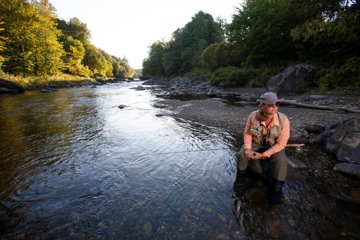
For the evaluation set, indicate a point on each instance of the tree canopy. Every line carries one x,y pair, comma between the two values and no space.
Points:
264,37
184,50
34,42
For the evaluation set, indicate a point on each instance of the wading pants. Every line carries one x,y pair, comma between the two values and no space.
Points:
274,167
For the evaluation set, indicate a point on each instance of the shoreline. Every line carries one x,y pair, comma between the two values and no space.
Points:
216,112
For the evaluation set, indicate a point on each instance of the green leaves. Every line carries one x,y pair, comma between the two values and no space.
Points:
33,42
183,52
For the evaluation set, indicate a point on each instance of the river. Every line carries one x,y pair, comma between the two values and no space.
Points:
75,165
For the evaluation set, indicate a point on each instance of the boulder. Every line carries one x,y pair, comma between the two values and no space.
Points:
48,90
213,92
156,81
348,168
293,79
343,140
201,88
140,88
121,106
180,81
10,87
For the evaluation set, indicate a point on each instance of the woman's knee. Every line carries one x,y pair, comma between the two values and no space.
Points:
241,160
280,157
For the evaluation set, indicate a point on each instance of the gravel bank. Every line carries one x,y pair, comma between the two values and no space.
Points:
232,117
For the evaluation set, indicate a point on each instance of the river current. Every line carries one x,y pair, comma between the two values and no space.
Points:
75,165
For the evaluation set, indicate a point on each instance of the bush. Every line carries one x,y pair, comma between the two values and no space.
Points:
341,78
229,77
258,77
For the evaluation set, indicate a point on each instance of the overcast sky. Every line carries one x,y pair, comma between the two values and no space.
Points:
128,28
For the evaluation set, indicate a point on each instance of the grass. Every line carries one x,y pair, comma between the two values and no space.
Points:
35,82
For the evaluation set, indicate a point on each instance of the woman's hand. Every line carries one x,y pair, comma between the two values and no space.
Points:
248,153
253,155
257,156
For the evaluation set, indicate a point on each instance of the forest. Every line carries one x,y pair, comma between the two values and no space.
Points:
35,43
263,38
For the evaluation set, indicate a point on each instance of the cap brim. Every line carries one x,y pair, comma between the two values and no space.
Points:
269,101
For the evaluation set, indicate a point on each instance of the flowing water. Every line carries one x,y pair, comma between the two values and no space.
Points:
75,165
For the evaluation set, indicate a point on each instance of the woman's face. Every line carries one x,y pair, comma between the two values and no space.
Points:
270,109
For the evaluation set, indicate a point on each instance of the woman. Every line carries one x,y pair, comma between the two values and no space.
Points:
266,134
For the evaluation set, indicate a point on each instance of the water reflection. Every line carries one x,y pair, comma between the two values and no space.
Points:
74,165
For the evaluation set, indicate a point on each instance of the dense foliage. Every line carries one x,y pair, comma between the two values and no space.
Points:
183,51
264,37
33,42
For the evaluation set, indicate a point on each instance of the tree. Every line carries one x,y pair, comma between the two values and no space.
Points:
75,28
215,56
31,44
260,32
183,52
2,44
330,33
195,37
75,53
48,52
153,65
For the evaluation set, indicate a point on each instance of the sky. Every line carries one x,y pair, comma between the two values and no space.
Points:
127,29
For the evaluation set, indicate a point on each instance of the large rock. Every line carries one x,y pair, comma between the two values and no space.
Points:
343,140
293,79
348,168
10,87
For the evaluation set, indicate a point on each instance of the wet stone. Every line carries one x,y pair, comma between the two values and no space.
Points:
147,228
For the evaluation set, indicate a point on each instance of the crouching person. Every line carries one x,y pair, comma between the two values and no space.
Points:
266,134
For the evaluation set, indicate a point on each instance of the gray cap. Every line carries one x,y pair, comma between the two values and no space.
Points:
268,98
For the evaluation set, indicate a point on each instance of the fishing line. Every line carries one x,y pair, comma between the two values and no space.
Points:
185,151
188,151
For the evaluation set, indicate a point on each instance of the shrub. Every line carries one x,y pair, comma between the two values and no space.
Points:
341,78
229,77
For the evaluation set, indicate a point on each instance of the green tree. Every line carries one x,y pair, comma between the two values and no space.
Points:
128,71
31,39
330,33
108,65
121,68
75,36
172,55
75,53
75,28
48,52
260,31
215,56
2,44
183,52
153,65
191,41
330,39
